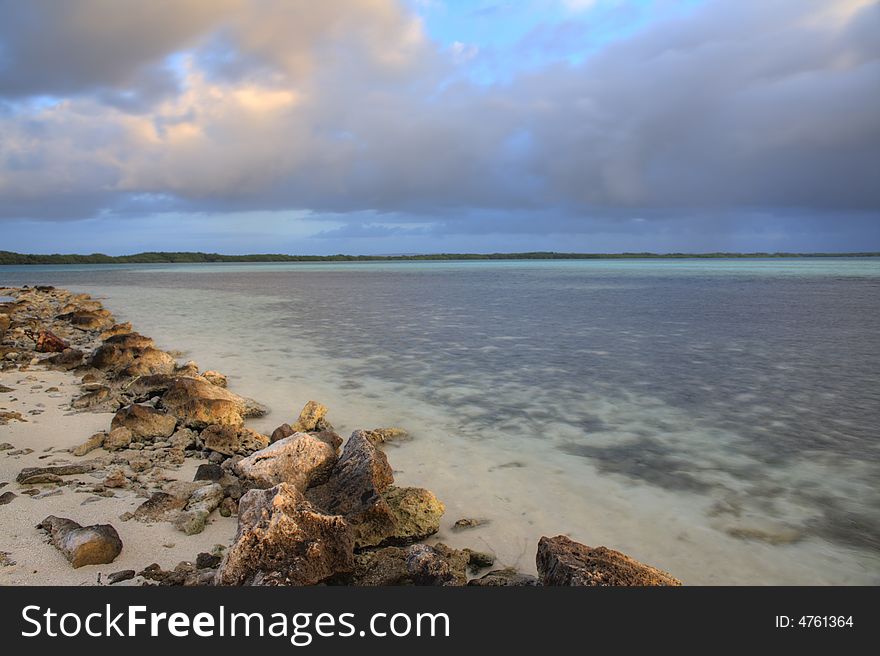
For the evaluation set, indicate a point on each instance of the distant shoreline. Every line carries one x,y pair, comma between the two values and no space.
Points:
10,258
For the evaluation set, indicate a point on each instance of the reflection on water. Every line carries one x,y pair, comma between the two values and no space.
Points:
718,419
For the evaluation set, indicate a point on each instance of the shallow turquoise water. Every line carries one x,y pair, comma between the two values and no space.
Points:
717,418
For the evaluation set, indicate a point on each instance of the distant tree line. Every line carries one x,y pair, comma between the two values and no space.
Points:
8,257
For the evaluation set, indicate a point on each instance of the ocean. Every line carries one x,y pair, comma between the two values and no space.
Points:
715,418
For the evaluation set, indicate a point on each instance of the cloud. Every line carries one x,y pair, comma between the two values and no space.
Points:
116,108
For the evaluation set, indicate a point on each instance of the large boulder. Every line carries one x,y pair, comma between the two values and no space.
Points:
301,460
144,421
198,404
125,361
128,340
562,561
88,319
233,440
284,540
359,488
83,545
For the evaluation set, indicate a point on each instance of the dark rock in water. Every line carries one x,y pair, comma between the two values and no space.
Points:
69,358
562,561
437,565
32,475
505,577
478,559
209,472
284,430
464,524
301,459
312,418
7,497
83,545
284,540
144,421
207,561
231,440
118,577
386,566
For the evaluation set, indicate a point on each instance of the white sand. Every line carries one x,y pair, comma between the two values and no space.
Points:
49,434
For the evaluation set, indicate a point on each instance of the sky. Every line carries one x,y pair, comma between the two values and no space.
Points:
419,126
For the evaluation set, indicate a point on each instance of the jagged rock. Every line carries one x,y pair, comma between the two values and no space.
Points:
206,560
47,342
96,441
228,507
384,435
284,540
118,438
301,460
215,378
88,319
562,561
144,421
160,507
386,566
415,513
130,361
115,478
119,577
198,404
99,398
147,362
284,430
311,418
184,574
128,340
116,329
200,504
330,436
505,577
83,545
209,472
183,439
68,359
355,488
230,440
33,475
437,565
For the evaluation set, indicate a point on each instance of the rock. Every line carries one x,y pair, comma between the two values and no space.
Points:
300,459
505,577
126,339
384,435
118,438
198,404
185,574
144,421
147,362
215,378
230,440
416,515
47,342
33,475
83,545
5,560
201,503
96,441
116,329
7,497
115,478
118,577
464,524
144,388
228,507
183,439
129,361
208,472
311,418
478,560
437,565
88,319
562,561
385,566
207,561
99,398
189,368
284,540
355,488
160,507
284,430
69,358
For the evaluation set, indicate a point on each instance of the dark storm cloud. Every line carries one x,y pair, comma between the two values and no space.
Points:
730,109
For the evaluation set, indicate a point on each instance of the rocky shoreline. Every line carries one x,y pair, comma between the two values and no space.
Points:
311,508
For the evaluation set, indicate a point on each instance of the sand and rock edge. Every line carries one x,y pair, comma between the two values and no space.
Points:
309,510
